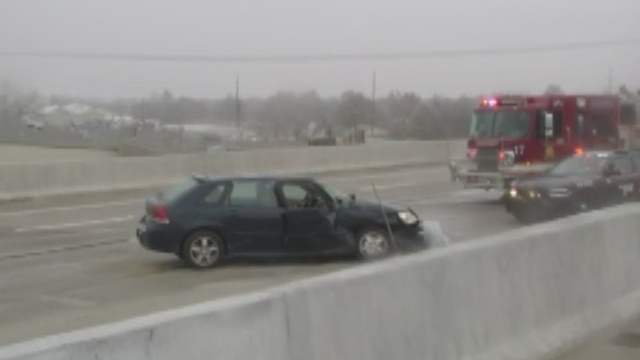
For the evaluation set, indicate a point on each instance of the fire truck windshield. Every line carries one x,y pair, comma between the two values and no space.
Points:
505,123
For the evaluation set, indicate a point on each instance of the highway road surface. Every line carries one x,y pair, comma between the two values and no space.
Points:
621,343
70,263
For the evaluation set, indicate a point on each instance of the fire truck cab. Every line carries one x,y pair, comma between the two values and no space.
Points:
514,136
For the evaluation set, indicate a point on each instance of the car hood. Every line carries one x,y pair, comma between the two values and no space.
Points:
370,207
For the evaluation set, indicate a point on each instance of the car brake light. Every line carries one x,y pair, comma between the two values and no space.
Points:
160,214
471,153
579,151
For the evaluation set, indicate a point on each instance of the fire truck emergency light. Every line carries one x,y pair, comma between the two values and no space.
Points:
490,102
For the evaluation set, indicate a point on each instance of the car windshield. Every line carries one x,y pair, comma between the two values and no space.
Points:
506,123
335,194
580,165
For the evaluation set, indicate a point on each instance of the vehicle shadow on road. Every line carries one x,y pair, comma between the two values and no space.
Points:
168,265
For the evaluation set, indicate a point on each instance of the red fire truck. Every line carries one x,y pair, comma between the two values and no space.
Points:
513,136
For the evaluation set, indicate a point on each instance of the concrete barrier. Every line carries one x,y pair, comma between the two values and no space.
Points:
526,294
253,327
33,180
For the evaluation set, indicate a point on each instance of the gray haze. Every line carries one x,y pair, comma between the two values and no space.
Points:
280,27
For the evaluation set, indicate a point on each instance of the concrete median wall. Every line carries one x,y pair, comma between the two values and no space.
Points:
526,294
32,180
253,327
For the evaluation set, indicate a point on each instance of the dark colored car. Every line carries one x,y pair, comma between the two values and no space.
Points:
205,219
590,180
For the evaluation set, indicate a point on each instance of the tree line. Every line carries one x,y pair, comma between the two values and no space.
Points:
401,115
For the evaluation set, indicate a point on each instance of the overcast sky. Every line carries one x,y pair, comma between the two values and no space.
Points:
293,27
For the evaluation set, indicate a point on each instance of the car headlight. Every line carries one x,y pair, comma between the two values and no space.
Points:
407,217
513,192
534,194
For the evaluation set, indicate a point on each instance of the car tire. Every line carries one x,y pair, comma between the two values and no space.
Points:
203,249
525,216
581,206
373,243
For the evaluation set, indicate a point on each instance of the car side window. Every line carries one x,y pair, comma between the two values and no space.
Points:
253,193
213,194
299,195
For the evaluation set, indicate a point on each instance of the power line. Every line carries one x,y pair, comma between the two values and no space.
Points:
317,57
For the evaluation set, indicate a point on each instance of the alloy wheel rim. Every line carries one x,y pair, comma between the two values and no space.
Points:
204,251
373,244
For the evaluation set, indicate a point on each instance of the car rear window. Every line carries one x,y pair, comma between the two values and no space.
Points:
178,190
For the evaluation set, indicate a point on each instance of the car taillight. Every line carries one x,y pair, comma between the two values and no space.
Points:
579,151
160,214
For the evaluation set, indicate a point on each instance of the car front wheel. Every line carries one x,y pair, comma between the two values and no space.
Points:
373,243
203,249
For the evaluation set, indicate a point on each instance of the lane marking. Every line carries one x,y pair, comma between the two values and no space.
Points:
388,186
395,174
75,225
54,250
72,207
55,237
141,201
427,171
66,301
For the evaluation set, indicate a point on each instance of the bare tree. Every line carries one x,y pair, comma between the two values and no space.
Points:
554,89
353,110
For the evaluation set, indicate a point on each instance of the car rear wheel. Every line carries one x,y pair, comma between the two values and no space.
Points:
203,249
373,243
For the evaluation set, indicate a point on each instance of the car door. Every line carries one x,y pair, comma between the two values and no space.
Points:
309,218
254,220
622,180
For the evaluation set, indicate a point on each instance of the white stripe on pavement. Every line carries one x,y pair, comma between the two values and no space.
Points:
425,172
388,186
75,225
71,207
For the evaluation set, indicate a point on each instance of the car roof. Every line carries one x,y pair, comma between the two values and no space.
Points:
247,177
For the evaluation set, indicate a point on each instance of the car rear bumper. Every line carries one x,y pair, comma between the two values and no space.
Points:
158,238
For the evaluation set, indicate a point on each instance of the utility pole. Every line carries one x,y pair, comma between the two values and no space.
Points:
610,81
139,123
373,103
237,102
